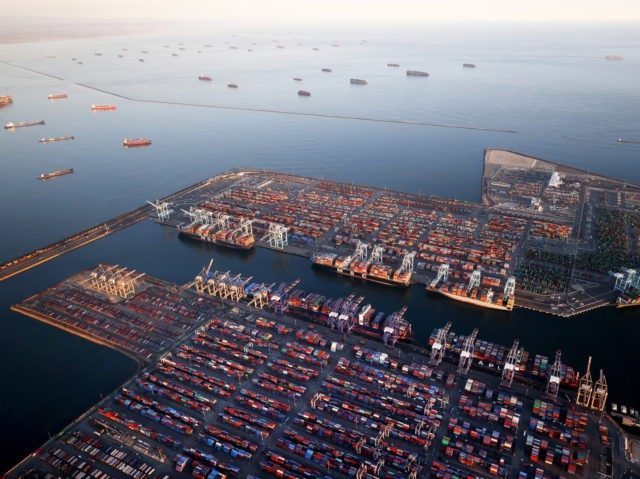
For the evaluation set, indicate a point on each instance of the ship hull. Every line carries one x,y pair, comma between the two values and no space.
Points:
373,279
474,302
207,239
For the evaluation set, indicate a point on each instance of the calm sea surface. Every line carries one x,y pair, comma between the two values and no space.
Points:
549,84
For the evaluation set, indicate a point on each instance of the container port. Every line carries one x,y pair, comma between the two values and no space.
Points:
230,386
545,236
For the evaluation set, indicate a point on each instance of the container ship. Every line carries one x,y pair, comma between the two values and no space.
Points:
53,139
628,298
416,73
349,316
21,124
129,142
363,269
357,81
486,298
54,174
228,237
103,107
493,356
478,292
205,78
57,96
5,100
468,65
304,93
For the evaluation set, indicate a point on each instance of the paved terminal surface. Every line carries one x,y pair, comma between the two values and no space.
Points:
563,234
227,390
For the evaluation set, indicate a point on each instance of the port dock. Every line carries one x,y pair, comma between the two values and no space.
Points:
230,389
545,237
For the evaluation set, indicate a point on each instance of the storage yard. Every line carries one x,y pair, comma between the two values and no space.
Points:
238,383
546,237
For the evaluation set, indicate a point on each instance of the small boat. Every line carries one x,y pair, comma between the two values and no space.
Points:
614,58
315,49
119,56
57,96
98,54
357,81
141,59
129,142
205,78
5,100
622,140
174,54
53,174
297,79
394,65
304,93
468,65
232,85
327,70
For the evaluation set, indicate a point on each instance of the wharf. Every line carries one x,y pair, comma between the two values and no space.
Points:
561,233
194,354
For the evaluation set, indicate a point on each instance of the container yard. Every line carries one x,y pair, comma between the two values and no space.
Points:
545,237
232,386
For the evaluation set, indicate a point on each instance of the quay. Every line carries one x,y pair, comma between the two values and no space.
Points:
226,389
545,236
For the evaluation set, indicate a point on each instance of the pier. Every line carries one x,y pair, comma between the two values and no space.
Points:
228,387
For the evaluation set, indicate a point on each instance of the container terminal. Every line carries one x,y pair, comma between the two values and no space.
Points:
234,381
545,236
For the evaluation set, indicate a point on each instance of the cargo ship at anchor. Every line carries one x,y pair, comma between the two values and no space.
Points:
21,124
5,100
53,139
358,266
129,142
103,107
474,293
54,174
218,230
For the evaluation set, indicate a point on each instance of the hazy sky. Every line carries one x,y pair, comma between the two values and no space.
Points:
333,11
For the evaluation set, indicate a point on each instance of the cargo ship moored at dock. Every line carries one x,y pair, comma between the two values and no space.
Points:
367,270
474,292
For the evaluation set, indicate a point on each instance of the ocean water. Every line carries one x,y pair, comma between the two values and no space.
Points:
549,84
